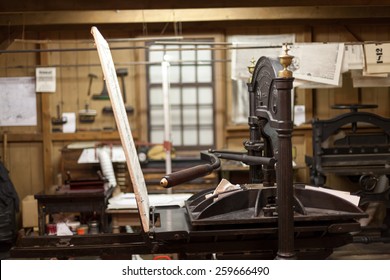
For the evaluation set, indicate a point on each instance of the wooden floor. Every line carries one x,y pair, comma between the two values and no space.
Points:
359,251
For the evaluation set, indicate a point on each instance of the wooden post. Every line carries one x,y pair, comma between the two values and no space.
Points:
47,145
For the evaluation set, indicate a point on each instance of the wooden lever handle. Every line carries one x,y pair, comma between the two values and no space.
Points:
186,175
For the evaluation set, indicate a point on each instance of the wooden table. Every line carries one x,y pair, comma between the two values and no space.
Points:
66,200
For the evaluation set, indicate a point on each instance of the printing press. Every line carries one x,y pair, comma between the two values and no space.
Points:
268,218
355,145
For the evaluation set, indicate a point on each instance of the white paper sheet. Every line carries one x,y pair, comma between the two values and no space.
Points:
317,62
354,199
359,80
299,114
46,79
353,57
127,200
18,102
246,47
377,57
88,155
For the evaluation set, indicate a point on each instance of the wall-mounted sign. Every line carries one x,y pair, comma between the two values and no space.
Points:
45,79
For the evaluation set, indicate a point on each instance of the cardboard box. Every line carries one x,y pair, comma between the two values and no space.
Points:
29,212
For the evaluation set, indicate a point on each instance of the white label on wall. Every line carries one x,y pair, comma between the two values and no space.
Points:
45,79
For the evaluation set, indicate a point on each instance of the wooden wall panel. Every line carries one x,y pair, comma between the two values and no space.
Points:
126,59
25,168
18,65
73,81
23,159
347,94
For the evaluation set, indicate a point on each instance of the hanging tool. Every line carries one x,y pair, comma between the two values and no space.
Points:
121,73
59,120
103,95
91,77
87,115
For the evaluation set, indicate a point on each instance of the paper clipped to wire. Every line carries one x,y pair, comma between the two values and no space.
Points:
318,62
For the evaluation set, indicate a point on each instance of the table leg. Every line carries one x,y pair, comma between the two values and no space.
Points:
41,218
115,224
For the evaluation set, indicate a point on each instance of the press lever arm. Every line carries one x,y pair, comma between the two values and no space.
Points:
191,173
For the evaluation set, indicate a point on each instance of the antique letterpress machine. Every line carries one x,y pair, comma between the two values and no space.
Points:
268,218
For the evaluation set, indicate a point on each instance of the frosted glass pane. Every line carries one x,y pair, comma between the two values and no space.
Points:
157,136
190,137
188,54
204,54
206,137
205,95
189,117
188,74
175,117
176,138
155,76
156,117
174,74
156,96
189,95
174,96
156,53
204,74
174,54
206,116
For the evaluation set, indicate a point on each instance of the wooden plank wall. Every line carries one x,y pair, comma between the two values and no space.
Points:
325,98
24,156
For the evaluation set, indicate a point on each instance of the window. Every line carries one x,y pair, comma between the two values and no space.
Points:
191,94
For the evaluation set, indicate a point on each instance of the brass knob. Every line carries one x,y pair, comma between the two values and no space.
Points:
285,59
251,68
164,182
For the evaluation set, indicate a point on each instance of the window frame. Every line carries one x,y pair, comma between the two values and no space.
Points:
199,43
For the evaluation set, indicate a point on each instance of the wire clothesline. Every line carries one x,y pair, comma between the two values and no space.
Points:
138,47
124,64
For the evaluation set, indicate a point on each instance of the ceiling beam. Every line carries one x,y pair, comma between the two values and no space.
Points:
85,5
192,15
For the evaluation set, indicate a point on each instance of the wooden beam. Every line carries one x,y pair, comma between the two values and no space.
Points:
44,5
86,136
193,15
6,41
47,145
22,137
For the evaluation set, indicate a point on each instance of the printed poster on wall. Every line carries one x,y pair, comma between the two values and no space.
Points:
45,79
18,106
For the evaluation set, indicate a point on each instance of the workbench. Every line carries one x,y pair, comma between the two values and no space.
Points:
123,217
62,200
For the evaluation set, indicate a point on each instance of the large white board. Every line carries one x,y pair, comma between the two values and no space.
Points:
133,165
18,103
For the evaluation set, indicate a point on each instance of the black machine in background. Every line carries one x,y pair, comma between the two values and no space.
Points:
265,219
355,145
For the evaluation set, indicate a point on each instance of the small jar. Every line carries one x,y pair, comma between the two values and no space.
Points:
82,230
93,227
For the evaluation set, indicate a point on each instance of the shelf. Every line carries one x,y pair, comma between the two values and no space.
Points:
86,136
22,137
